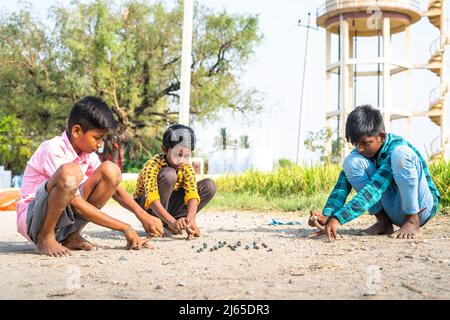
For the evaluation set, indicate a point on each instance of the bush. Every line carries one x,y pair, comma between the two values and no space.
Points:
440,172
292,180
136,157
129,185
285,181
285,163
286,186
134,166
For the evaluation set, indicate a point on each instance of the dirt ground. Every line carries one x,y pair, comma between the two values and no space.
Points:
355,267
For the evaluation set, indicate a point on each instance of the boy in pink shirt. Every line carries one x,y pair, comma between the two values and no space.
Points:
65,185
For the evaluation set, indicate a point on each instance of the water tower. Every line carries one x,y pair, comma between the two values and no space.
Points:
349,19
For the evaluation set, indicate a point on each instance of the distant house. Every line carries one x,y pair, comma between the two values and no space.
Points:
238,160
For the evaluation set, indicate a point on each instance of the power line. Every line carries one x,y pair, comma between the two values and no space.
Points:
300,138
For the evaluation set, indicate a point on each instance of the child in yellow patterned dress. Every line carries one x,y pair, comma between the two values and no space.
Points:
167,187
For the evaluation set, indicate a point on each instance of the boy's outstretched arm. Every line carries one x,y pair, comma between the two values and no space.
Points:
362,201
367,196
337,197
153,226
90,213
336,200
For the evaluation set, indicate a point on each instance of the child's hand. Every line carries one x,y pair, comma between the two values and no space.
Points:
152,225
134,241
317,220
177,226
331,228
180,224
192,230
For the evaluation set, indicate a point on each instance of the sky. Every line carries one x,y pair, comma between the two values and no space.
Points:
276,70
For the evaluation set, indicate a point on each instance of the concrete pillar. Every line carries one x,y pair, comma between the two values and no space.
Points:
444,116
344,92
443,29
408,83
328,104
186,61
351,68
387,97
444,81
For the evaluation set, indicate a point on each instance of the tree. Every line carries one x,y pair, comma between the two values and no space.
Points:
14,147
223,140
316,142
129,55
244,142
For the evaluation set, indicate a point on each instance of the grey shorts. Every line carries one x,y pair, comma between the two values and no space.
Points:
68,222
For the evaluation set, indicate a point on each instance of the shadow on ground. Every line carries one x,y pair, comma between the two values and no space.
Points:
283,232
16,247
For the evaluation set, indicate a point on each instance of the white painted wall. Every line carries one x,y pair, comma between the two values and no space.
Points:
240,160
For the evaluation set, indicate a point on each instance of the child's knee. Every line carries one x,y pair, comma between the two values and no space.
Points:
169,175
403,157
70,177
355,165
210,187
111,171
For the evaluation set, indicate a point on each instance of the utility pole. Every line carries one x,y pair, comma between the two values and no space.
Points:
186,62
300,122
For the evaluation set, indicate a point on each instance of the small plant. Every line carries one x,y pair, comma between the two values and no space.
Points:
285,163
316,142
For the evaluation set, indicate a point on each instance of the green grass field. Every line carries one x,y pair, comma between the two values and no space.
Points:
293,188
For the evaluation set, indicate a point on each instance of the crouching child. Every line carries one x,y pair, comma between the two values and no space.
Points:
390,177
65,186
167,187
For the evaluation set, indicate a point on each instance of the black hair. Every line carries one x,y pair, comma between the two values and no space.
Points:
365,120
179,133
91,113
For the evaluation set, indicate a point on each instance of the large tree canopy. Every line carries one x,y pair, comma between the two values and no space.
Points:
128,54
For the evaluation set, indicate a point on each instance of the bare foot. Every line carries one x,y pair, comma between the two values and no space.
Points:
410,229
76,242
378,228
50,247
382,226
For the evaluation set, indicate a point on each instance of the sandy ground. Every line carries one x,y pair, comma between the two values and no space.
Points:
355,267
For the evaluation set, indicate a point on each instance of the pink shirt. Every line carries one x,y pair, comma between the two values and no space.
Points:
50,155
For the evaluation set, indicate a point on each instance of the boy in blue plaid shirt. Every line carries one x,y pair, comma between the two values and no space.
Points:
391,179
